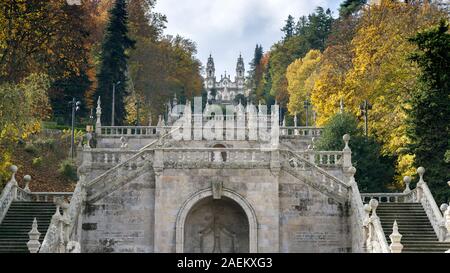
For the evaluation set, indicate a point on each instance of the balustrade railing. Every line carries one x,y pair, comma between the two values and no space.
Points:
110,156
8,194
315,173
222,156
129,131
323,158
389,197
300,131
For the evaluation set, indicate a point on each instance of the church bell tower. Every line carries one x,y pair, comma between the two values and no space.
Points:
210,73
240,72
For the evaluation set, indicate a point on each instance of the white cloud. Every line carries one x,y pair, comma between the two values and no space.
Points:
227,27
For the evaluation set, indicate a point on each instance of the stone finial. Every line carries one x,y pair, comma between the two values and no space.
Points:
13,169
98,111
33,244
443,208
396,237
346,139
295,119
421,171
407,180
448,182
27,179
373,203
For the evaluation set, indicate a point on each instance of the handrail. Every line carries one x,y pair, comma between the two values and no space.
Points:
432,209
139,153
359,217
379,235
7,197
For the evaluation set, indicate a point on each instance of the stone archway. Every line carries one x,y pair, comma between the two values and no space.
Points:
223,225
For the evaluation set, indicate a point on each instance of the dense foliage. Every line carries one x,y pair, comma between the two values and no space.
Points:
428,122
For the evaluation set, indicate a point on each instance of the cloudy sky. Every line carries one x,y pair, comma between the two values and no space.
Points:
225,28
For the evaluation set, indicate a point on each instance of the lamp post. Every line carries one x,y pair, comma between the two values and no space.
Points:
113,102
75,107
365,107
306,105
137,104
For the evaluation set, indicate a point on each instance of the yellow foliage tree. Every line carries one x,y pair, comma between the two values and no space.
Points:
22,107
301,76
379,72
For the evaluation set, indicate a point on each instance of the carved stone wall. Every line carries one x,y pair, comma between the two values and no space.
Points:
216,226
277,212
311,221
122,221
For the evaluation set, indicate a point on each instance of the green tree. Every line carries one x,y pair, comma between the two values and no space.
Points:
256,71
428,121
113,67
348,7
288,28
374,172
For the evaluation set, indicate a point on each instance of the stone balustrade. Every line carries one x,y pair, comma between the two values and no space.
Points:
110,157
327,159
389,197
375,238
173,157
318,177
129,131
291,131
421,194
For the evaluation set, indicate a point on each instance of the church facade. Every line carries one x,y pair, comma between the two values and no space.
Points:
225,90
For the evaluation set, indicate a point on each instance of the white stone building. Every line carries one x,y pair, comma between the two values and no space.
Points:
225,90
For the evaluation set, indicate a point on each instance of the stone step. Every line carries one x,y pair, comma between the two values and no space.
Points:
425,244
17,223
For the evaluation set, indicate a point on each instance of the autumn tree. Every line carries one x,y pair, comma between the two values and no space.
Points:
429,117
310,34
113,67
301,76
370,62
22,107
46,37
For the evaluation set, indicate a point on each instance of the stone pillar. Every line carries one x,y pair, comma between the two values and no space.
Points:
346,158
420,184
347,153
27,179
407,180
275,165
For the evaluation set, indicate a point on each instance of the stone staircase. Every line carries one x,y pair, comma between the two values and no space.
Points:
17,223
413,224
